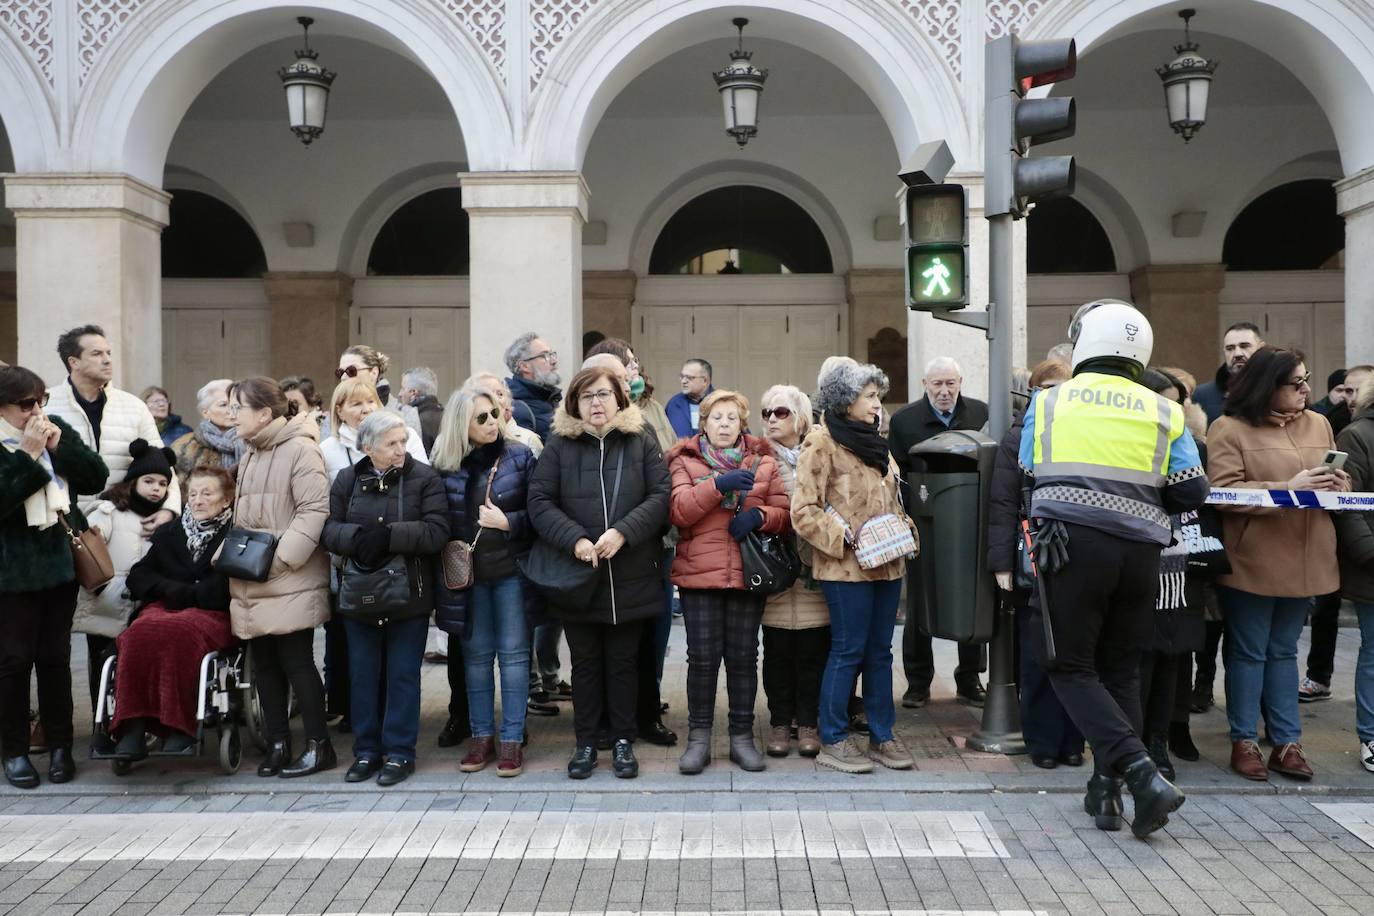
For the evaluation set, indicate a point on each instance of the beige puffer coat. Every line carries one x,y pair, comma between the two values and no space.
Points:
107,614
800,607
830,474
282,488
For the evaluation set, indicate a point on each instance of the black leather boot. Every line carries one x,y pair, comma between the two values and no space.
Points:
655,732
61,766
1159,753
278,753
454,733
1155,797
1181,742
20,772
318,756
1103,800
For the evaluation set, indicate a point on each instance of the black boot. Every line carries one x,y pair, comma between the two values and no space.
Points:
1155,797
20,772
454,733
655,732
318,755
278,753
61,766
1103,800
1181,742
1159,753
133,741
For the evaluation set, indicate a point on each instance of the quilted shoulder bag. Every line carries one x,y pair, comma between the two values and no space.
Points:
881,539
456,558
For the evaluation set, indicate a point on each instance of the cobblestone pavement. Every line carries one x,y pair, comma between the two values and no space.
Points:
965,832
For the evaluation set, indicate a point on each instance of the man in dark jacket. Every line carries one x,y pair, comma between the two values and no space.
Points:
942,408
533,382
1239,342
420,389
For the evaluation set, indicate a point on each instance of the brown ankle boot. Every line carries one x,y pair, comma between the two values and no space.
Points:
779,741
1247,761
808,741
481,751
512,759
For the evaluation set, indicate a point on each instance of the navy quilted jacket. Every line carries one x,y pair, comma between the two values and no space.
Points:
508,492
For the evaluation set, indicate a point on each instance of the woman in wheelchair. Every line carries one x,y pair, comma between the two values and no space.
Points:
183,616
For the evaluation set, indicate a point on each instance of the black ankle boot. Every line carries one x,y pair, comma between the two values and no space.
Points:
1103,800
133,743
1181,742
318,755
1159,753
1155,797
20,772
61,766
278,753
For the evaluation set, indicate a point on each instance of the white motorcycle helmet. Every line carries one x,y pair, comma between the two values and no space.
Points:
1110,327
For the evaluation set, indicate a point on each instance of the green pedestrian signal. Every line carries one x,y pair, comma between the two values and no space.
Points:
936,218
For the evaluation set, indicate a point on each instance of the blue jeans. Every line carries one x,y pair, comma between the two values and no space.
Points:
862,618
394,731
496,613
1364,674
1262,663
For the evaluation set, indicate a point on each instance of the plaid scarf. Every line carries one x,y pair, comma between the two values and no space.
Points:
720,460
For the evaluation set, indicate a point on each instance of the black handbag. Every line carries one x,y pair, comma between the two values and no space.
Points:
246,554
373,595
770,562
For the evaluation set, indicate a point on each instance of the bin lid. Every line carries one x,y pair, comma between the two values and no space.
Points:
964,443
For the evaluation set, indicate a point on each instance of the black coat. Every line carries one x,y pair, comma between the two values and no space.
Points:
510,494
917,422
534,405
1355,530
1004,506
409,500
431,415
168,574
570,497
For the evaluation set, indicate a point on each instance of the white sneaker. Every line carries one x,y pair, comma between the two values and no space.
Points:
1310,691
1367,755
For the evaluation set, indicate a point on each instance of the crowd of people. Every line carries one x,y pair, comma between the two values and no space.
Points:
518,514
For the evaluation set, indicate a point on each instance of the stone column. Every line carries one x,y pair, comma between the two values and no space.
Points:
309,323
1355,201
88,251
607,296
1182,302
929,338
526,273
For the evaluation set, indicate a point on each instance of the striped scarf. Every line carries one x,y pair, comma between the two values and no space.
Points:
1173,572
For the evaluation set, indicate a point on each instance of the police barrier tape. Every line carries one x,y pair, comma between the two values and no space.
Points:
1290,499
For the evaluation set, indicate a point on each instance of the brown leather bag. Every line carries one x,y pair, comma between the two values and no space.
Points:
90,556
456,557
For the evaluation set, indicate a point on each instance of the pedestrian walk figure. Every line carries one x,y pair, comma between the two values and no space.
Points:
938,275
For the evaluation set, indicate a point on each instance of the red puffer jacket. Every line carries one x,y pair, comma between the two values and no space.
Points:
707,556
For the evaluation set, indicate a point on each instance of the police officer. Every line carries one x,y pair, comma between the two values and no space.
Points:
1111,461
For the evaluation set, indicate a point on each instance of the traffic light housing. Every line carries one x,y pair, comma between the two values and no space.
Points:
1014,123
936,220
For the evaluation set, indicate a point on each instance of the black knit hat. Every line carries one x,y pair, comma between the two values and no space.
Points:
149,460
1335,378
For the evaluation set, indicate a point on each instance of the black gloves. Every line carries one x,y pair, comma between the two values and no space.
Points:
372,546
1050,545
745,522
738,479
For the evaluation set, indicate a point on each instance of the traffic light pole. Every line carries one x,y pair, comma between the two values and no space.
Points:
1000,731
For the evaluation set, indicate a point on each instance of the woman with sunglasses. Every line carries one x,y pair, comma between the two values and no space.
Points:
486,478
1280,558
44,466
371,365
796,623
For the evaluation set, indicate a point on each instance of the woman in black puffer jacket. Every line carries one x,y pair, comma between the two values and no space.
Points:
486,481
600,494
387,505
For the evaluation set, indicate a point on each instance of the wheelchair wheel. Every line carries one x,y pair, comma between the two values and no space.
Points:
230,749
121,767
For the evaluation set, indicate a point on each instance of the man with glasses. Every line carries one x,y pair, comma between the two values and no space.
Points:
533,382
107,418
683,409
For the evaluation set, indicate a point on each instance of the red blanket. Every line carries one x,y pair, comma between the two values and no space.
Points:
158,670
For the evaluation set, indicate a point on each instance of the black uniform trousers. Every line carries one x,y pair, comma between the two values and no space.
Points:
1102,605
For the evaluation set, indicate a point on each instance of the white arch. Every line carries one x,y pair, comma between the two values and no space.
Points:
179,178
724,174
392,194
1308,168
27,108
1130,246
876,44
1329,47
144,82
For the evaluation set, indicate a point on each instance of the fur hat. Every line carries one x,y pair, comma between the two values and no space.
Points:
843,384
149,460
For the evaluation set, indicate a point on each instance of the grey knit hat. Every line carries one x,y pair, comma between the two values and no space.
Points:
843,384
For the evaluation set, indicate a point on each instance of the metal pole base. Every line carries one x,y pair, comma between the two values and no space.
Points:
1000,732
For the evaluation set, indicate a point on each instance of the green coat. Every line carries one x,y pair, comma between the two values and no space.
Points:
33,560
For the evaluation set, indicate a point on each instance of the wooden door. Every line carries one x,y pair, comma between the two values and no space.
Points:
438,338
761,352
192,354
716,338
813,335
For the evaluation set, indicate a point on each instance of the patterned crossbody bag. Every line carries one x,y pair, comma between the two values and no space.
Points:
881,539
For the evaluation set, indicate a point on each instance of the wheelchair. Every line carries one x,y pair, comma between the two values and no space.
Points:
225,703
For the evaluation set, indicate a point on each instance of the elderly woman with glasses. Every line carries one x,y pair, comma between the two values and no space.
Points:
43,468
169,425
215,441
1280,558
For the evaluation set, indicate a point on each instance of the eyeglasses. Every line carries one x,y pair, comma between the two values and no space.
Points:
350,371
481,418
687,378
782,413
1304,382
550,355
605,394
30,403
